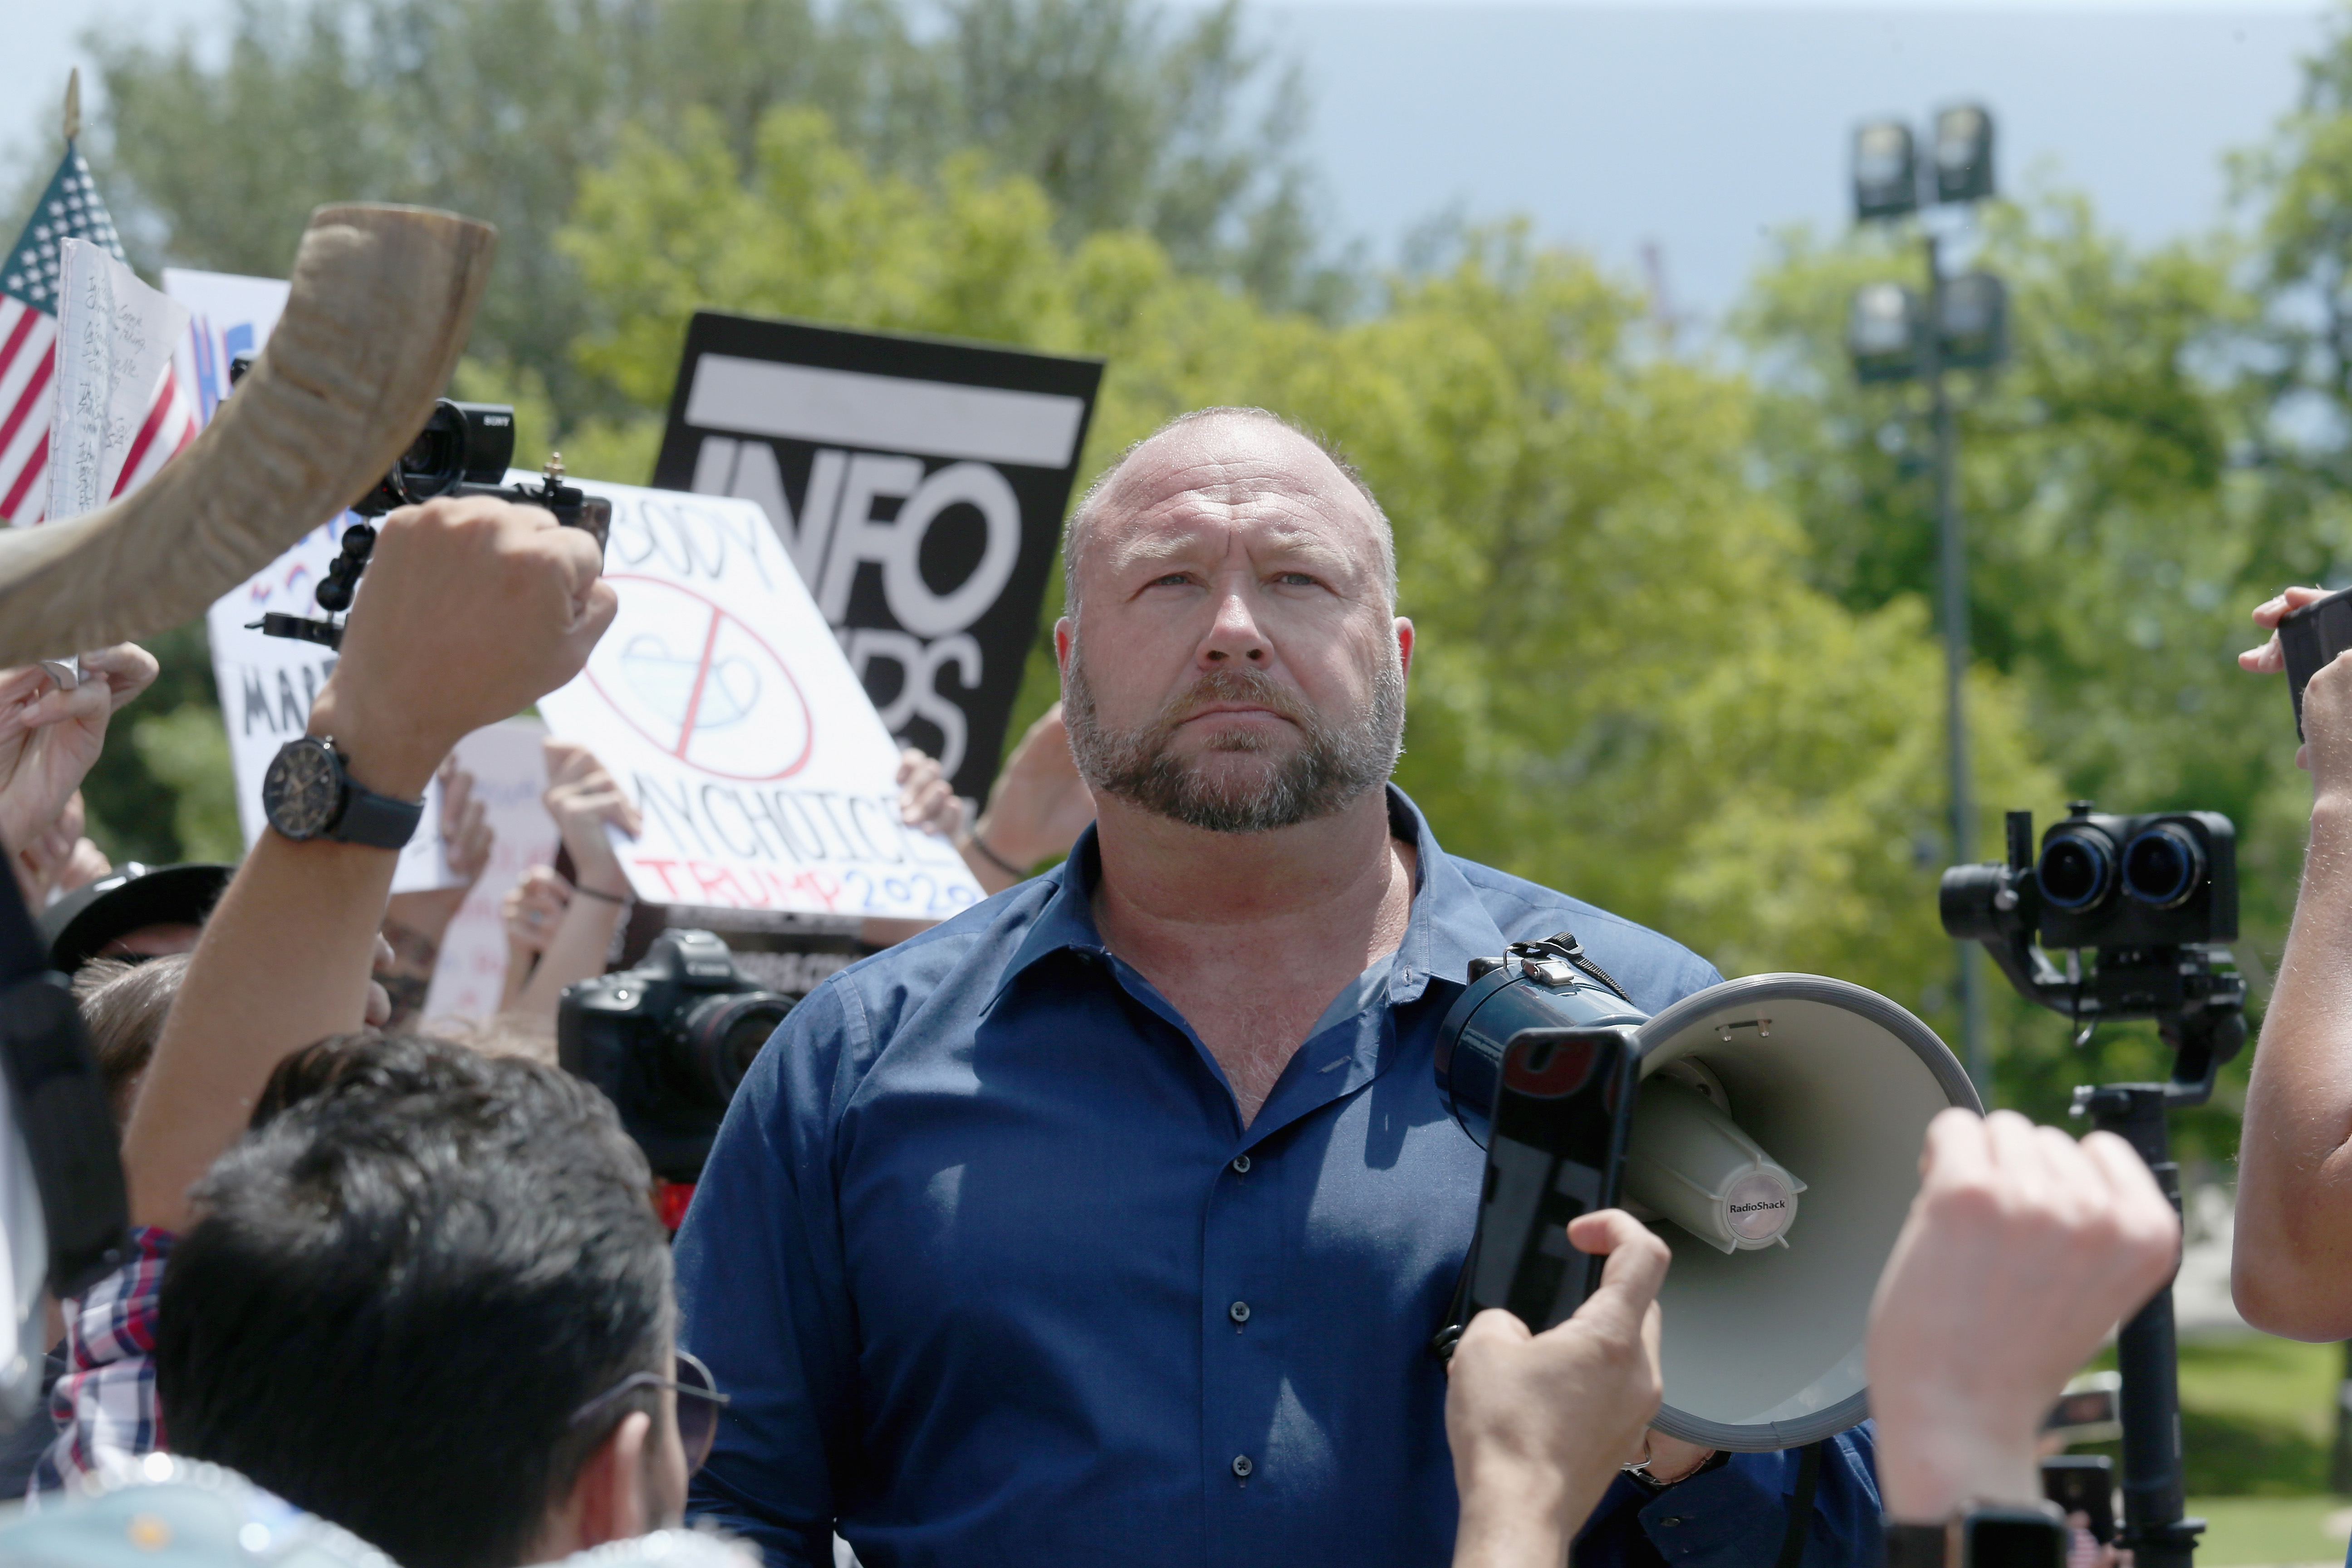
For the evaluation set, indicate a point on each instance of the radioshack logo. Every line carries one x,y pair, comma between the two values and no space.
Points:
1751,1208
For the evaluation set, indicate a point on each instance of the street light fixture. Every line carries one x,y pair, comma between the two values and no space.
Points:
1894,334
1882,332
1886,171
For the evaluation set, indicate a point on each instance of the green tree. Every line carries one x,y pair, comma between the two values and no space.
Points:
1126,116
1625,688
2121,520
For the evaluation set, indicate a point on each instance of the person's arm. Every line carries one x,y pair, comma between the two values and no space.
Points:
532,910
1538,1424
470,610
582,797
1036,808
2291,1256
2021,1251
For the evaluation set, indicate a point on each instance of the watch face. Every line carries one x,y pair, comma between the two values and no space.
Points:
303,791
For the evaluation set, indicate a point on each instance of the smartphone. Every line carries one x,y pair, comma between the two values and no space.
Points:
1557,1150
2084,1484
2311,638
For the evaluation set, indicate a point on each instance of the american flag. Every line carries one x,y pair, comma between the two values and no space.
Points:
69,209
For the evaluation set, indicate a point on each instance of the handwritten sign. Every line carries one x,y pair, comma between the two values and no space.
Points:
510,776
115,337
724,706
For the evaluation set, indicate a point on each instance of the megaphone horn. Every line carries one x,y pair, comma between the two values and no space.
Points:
1754,1091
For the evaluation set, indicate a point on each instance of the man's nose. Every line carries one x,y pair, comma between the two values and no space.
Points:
1235,636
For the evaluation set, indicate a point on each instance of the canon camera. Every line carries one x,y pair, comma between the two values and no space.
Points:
668,1042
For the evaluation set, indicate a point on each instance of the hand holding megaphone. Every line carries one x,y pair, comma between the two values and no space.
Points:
2022,1249
1538,1423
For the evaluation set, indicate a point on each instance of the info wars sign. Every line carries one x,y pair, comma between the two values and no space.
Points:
721,702
918,486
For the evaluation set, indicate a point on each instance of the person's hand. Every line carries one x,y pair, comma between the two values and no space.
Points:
1669,1458
60,859
471,609
533,907
1038,805
1538,1424
2327,750
927,801
582,797
2271,658
50,738
2021,1251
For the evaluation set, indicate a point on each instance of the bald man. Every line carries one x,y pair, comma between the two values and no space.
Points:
1110,1222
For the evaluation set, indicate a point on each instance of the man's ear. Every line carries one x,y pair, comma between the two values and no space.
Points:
1065,634
608,1498
1404,643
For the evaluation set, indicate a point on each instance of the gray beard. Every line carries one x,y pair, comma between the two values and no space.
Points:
1333,769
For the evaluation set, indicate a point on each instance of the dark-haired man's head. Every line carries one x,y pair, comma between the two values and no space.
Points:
402,1287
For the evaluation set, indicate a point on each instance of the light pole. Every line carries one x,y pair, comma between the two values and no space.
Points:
1893,335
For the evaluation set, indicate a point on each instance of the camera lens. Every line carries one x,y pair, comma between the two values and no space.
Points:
2077,869
436,460
2163,866
718,1038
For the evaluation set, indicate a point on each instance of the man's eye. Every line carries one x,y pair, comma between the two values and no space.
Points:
1295,579
1177,579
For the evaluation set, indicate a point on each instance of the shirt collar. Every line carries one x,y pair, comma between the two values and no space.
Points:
1449,925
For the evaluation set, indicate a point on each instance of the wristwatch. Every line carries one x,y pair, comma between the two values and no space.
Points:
308,793
1982,1535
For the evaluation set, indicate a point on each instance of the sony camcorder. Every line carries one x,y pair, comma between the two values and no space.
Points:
465,449
668,1042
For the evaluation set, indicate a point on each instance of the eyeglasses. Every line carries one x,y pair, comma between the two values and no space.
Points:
698,1405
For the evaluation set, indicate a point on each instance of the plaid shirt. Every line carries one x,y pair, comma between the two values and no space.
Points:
105,1401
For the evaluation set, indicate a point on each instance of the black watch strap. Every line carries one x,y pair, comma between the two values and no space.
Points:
1915,1545
376,821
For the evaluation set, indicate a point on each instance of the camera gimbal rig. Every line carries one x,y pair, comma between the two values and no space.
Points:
2156,897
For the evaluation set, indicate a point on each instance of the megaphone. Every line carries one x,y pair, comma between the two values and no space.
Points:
1774,1146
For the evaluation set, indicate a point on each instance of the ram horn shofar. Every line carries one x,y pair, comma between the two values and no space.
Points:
382,298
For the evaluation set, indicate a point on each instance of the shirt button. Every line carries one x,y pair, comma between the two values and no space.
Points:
1238,1311
1671,1520
1241,1164
1243,1465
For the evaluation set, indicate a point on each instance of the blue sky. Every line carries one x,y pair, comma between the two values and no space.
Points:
1685,128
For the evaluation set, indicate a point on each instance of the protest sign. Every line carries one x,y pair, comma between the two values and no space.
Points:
115,337
724,706
917,485
267,683
228,316
510,776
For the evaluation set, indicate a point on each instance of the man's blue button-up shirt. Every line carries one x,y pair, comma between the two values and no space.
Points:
994,1274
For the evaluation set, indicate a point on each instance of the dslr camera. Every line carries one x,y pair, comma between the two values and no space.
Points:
668,1042
2153,897
465,449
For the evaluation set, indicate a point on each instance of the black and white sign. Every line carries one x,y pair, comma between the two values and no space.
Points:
918,486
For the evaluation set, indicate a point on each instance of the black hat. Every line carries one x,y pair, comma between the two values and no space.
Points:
79,925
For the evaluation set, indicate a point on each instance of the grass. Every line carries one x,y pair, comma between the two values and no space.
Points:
2257,1419
2241,1530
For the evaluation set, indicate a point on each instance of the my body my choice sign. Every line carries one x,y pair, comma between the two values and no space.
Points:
918,486
721,703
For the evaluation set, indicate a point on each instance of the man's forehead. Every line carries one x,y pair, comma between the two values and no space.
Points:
1217,473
